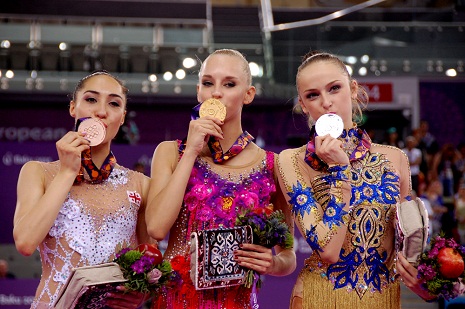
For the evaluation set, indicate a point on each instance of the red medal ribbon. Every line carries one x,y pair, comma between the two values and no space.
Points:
96,175
217,152
360,150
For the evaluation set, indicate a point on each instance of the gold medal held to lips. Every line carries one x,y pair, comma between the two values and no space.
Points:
94,129
213,107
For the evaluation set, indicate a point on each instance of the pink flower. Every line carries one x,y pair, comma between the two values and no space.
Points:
197,194
459,287
221,210
248,199
440,242
202,192
191,202
264,187
451,243
205,214
433,252
427,271
154,275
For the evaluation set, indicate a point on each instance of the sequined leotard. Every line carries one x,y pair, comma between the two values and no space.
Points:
214,196
93,220
376,179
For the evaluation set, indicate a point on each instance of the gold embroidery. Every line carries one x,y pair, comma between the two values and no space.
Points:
317,293
367,226
370,222
227,203
321,190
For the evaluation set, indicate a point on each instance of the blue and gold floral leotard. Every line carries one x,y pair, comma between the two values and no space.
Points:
359,200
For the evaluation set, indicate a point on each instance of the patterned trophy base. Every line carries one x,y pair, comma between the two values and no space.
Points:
212,257
87,286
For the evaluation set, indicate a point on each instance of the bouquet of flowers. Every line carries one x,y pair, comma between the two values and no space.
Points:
269,230
145,269
442,268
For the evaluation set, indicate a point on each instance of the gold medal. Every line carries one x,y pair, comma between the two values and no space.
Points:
213,107
94,129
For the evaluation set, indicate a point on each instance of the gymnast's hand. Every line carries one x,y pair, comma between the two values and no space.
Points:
255,257
69,149
329,149
200,131
409,275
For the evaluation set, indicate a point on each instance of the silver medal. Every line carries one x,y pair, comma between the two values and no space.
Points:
330,124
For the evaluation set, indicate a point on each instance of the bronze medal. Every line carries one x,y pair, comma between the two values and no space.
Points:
213,107
94,129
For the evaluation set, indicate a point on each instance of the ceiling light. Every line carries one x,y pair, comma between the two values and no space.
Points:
189,62
63,46
177,89
351,60
364,59
383,65
180,74
460,66
64,84
406,67
152,77
255,69
168,76
451,72
362,71
4,85
5,44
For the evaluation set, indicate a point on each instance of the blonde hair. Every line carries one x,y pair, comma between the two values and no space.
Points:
233,53
361,100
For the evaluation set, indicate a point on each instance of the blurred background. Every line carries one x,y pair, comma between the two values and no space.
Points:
408,54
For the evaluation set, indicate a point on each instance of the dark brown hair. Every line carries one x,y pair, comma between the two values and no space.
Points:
83,80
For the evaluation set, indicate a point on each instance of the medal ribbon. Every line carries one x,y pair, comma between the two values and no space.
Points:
217,152
253,295
195,112
96,175
214,145
360,151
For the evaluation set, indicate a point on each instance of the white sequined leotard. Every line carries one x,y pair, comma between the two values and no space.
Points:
93,221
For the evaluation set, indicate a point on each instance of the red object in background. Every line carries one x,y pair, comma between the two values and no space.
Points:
151,251
451,263
378,92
